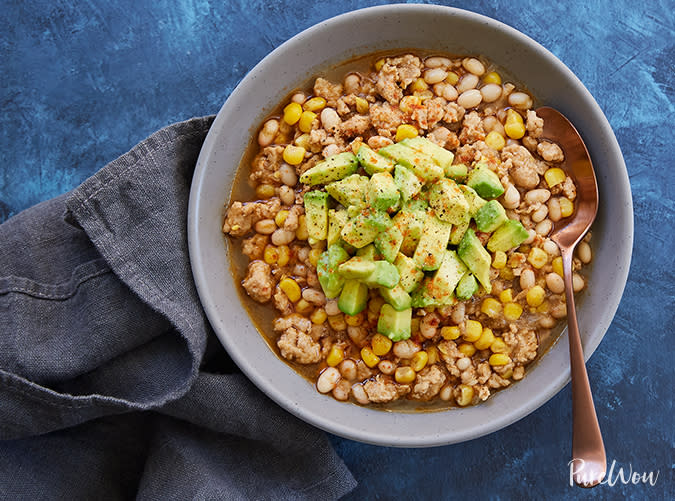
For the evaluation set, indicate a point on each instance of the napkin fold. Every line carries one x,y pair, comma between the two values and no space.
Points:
112,384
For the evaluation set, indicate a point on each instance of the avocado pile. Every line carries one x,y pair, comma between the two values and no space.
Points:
405,229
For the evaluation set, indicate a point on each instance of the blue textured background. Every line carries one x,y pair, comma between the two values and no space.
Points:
82,82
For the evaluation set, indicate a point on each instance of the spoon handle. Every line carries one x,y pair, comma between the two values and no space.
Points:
587,444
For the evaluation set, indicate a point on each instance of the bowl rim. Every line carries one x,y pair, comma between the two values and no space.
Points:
200,271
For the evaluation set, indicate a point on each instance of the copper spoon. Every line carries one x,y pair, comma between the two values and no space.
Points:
589,462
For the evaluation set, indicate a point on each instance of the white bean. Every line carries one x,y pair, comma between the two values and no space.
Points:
265,226
520,100
491,92
287,195
554,212
314,296
387,367
584,252
446,91
437,62
330,150
435,75
282,237
544,227
463,363
547,322
330,119
332,308
360,394
377,142
287,175
540,214
357,334
405,349
351,84
473,65
511,197
551,247
348,369
529,239
299,97
429,325
578,282
268,133
468,82
555,283
470,99
526,279
446,393
458,313
328,379
540,195
341,390
559,310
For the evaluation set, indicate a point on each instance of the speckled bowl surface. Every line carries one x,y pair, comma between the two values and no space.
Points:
327,44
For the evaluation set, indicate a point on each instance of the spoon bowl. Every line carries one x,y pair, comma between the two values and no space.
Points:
588,451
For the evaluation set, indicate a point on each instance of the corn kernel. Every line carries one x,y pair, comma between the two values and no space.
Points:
315,104
303,307
314,256
381,344
306,119
537,257
280,218
497,359
362,105
303,141
292,113
492,77
335,356
499,346
419,85
404,375
270,254
419,360
513,116
264,191
337,322
535,296
485,339
506,273
554,176
283,255
472,330
495,140
301,233
375,304
506,296
450,332
369,357
415,325
512,311
467,349
566,207
354,320
491,307
405,131
432,353
543,307
499,260
294,155
319,316
452,78
557,265
291,289
423,95
408,103
465,395
514,130
507,374
378,64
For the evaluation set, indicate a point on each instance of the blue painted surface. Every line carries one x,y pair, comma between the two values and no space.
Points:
82,82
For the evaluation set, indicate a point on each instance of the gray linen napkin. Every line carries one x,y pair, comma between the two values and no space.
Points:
112,384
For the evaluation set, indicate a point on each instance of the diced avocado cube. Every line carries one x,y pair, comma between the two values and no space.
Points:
349,191
421,164
458,172
336,221
490,217
446,278
378,219
508,236
333,168
356,268
316,214
408,183
410,224
476,258
415,205
473,199
410,274
427,295
448,201
384,275
485,181
388,243
441,156
458,231
353,298
397,297
359,231
396,325
373,162
382,191
327,270
435,236
466,287
368,252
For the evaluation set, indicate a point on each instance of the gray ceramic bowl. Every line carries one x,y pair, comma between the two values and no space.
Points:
322,46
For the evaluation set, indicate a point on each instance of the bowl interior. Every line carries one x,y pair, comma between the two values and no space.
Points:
310,53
